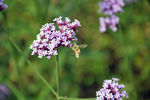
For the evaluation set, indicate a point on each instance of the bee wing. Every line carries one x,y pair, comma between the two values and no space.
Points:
74,47
82,46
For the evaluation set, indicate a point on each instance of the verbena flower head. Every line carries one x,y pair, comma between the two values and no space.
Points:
2,6
111,90
110,22
51,37
4,92
110,7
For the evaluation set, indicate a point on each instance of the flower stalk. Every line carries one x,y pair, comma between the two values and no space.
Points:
57,75
34,68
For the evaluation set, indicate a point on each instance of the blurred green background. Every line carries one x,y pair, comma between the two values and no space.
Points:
107,55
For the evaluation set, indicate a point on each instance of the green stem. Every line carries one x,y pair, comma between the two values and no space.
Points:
57,74
65,98
15,91
20,79
28,61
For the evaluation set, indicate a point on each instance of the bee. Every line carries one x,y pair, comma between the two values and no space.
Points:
76,49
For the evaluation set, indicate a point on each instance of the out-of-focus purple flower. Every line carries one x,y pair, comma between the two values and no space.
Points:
111,90
52,37
110,22
2,6
4,92
110,7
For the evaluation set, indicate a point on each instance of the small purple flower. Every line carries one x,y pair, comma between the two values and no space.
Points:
52,37
110,7
4,92
2,6
111,90
110,22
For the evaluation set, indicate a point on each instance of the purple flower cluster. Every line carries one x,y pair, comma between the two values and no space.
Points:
2,6
109,21
4,92
52,37
111,90
110,8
